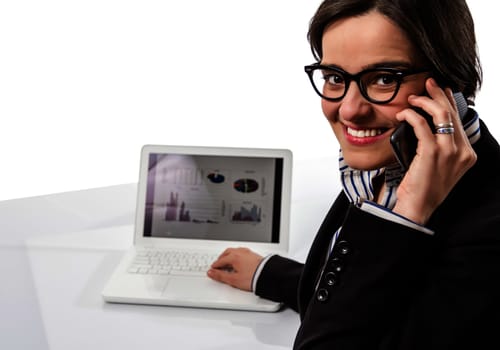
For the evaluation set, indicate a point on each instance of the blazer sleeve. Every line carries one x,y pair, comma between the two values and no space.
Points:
279,279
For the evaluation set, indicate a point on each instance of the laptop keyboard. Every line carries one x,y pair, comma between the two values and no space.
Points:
168,262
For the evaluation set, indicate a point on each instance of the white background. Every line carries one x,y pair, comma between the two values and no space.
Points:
84,84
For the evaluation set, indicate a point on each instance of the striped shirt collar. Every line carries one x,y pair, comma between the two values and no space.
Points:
358,184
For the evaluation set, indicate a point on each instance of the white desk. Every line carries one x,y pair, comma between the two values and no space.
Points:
57,252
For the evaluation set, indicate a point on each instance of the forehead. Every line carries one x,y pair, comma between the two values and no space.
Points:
355,43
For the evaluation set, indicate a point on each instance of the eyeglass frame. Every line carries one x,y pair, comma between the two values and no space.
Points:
400,74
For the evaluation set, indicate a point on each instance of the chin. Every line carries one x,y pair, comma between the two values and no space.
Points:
367,162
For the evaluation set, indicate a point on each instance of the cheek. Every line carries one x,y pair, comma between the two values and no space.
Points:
330,110
388,114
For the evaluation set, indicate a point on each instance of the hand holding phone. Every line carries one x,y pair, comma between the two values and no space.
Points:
403,139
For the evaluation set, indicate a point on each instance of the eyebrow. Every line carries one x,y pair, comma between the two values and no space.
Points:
389,64
382,64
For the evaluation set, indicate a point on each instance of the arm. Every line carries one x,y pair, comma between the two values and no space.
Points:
277,281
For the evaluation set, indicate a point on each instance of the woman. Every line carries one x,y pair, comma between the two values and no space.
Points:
404,259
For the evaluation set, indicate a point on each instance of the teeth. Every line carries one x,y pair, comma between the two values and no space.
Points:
364,133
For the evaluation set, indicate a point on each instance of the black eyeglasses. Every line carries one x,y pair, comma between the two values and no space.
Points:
377,85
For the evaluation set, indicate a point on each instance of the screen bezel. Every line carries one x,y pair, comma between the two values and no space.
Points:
284,212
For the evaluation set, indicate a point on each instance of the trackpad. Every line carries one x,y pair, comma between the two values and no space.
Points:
203,288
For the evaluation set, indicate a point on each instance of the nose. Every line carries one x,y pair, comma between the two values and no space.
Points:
353,105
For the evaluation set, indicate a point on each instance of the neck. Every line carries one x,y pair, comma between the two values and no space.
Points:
378,188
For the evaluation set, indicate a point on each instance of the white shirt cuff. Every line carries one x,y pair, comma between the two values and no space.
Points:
384,213
257,272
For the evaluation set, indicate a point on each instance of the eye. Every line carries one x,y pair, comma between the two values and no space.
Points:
380,80
384,79
333,78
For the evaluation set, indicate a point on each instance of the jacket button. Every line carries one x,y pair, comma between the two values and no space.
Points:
337,265
331,278
322,295
343,248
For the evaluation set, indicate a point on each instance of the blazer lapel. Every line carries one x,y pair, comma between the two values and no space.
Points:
318,252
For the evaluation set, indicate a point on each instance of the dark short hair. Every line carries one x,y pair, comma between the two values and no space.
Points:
442,31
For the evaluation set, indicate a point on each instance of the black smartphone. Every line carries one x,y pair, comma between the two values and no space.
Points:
404,142
403,139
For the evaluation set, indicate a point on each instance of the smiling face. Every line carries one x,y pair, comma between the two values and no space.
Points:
362,128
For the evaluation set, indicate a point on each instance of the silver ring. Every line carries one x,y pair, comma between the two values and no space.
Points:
445,130
443,125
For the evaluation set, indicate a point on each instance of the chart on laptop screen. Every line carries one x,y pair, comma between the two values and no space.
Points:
213,197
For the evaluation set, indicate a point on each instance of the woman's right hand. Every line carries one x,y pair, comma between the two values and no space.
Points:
236,267
441,159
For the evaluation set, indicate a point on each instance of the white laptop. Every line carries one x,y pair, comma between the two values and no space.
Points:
195,202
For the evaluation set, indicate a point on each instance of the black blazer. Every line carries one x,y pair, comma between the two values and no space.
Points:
387,286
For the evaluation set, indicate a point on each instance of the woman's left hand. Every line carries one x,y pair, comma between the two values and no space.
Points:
441,159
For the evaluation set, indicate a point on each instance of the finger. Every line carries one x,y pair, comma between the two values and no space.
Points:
231,278
451,121
225,253
221,276
448,131
221,262
418,123
436,104
442,109
451,101
457,122
439,106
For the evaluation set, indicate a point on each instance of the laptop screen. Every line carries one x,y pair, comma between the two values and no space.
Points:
235,198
